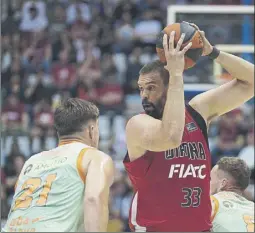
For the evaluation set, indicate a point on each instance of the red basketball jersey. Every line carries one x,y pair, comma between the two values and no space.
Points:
172,188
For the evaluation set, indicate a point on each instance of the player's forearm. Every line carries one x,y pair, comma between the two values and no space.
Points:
237,67
174,112
96,215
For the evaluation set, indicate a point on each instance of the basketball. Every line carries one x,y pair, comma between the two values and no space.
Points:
191,35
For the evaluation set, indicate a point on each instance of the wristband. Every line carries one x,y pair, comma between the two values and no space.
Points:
214,54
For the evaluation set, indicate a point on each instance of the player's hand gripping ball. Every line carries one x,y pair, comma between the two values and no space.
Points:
191,35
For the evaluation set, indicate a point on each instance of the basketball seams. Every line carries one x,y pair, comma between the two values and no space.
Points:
192,35
174,27
189,32
197,41
159,42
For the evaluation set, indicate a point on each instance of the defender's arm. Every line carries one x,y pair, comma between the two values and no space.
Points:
98,181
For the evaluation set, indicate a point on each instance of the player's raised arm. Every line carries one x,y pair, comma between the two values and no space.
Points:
99,178
148,133
230,95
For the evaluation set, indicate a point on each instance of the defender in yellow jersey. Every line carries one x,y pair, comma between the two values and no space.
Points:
65,189
232,212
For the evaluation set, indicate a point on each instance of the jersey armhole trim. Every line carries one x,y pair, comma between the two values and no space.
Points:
16,184
216,207
199,120
79,163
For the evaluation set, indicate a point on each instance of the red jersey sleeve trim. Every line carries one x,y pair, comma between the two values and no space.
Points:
199,120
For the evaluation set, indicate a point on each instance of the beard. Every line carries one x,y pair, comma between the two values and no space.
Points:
153,110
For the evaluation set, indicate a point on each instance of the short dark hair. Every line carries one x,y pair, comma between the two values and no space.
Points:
73,114
156,66
238,169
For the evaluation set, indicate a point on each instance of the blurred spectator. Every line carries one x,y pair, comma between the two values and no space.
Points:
6,57
15,87
35,88
4,204
229,141
58,96
16,39
126,202
124,34
79,31
63,42
44,117
133,68
78,10
109,70
33,16
147,29
14,117
118,191
64,73
125,7
105,37
43,129
13,165
10,24
3,177
18,162
89,74
122,195
91,48
247,153
110,92
85,89
90,70
58,22
154,7
15,69
38,54
82,43
110,96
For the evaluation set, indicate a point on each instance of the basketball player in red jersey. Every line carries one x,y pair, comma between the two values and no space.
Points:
168,160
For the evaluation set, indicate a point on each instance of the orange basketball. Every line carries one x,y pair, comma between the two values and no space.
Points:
191,35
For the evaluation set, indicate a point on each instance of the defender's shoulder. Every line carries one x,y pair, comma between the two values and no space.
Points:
92,157
100,155
104,161
223,195
93,154
35,157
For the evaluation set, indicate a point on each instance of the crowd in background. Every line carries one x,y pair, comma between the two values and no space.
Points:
55,49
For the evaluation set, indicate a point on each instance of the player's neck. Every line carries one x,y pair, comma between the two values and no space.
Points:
73,138
235,190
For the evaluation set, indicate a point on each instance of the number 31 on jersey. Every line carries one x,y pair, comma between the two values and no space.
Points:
29,187
249,220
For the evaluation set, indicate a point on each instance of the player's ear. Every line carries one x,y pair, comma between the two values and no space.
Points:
91,131
223,184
